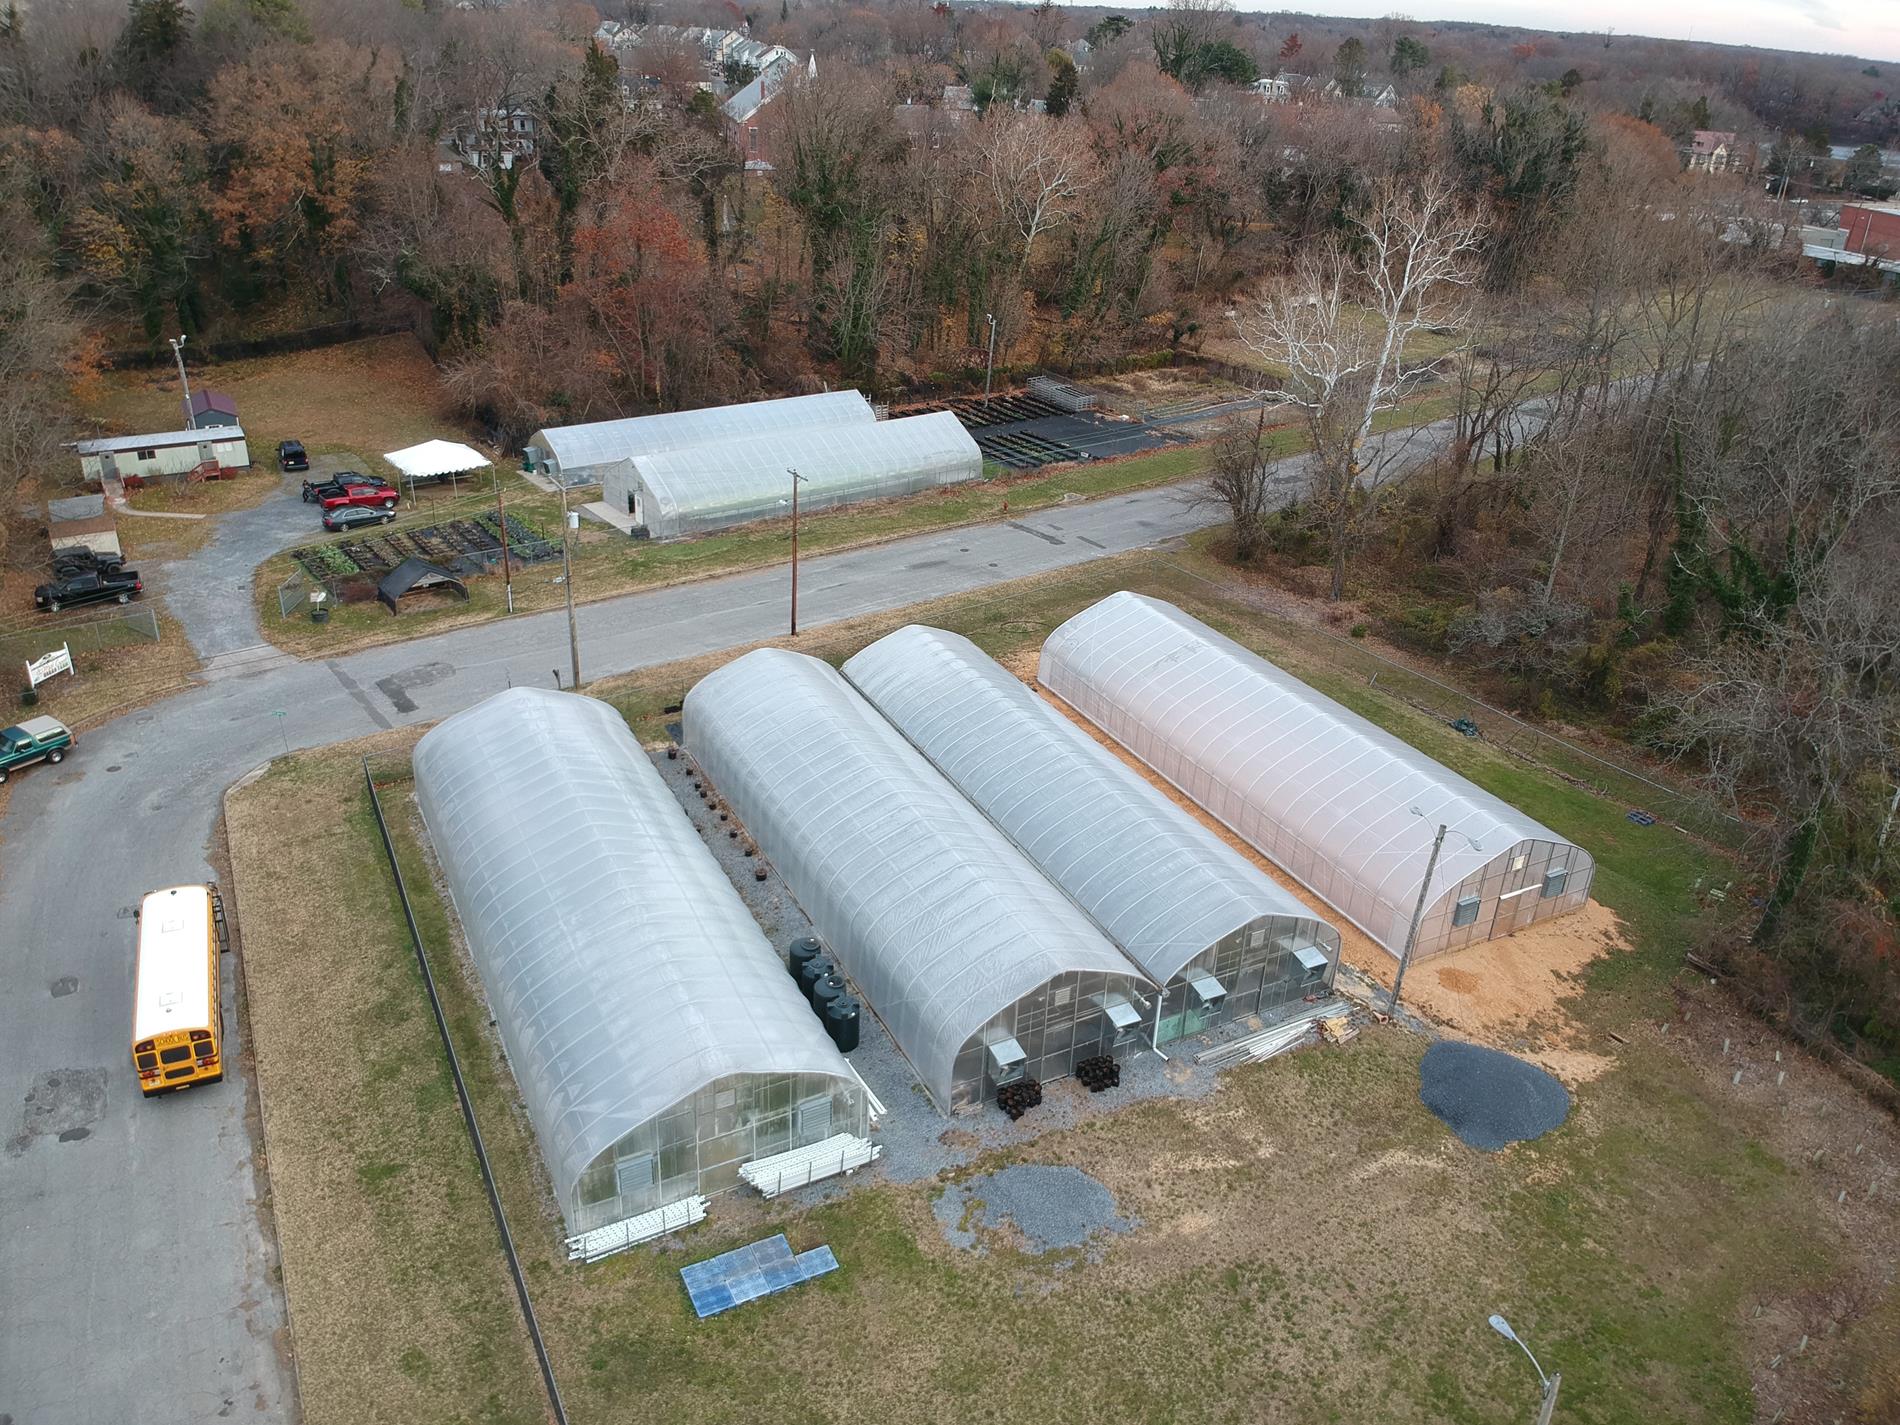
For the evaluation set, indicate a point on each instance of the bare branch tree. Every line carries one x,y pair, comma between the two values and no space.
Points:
1341,326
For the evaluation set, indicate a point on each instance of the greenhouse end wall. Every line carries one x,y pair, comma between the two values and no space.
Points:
1341,805
653,1032
1179,901
955,940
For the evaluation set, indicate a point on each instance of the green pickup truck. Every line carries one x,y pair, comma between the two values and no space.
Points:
38,739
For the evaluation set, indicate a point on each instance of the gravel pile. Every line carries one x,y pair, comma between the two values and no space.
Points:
1489,1099
1051,1208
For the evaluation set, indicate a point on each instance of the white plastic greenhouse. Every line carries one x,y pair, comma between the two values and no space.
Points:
1340,804
706,487
587,454
1223,939
658,1042
982,971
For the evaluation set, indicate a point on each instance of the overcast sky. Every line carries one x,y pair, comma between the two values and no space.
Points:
1863,27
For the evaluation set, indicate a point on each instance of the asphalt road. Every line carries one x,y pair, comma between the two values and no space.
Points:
140,1280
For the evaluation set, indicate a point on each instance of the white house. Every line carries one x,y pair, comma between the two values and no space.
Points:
1710,151
175,452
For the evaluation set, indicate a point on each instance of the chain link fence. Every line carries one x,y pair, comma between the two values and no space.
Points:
82,632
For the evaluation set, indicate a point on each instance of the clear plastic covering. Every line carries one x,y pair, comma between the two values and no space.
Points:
1340,804
580,453
711,486
1165,888
940,921
624,971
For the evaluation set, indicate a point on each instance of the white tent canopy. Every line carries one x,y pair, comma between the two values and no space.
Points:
434,458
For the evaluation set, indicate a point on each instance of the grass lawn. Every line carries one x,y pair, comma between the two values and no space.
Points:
360,398
607,564
1312,1245
114,669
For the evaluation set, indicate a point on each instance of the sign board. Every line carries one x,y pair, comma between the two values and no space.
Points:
60,660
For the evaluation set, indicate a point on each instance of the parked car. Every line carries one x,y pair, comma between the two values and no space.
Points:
93,588
80,559
315,490
38,739
369,496
354,516
290,455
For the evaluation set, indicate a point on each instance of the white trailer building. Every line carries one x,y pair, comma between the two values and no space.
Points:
175,452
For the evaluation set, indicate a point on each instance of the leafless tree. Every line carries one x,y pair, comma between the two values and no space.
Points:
1340,326
1240,481
1035,171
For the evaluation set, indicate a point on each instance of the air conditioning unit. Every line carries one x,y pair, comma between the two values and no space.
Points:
1007,1061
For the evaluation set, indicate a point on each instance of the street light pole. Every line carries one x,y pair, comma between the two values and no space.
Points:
1418,914
501,521
178,355
797,480
567,583
1548,1405
989,366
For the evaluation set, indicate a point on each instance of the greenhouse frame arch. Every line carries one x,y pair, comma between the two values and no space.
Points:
1340,804
657,1041
982,971
1222,938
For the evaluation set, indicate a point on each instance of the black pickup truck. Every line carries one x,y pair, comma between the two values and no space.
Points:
78,559
119,584
316,491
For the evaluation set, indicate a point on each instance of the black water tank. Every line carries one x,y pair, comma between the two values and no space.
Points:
806,947
826,991
841,1023
814,970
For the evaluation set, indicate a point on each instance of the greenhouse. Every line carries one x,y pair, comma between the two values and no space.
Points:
982,971
1342,805
657,1041
1221,938
589,454
711,486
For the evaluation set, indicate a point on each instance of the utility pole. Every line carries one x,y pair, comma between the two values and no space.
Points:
568,521
797,480
1418,914
1550,1398
501,519
989,366
178,355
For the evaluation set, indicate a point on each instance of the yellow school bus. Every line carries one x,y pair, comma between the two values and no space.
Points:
177,1014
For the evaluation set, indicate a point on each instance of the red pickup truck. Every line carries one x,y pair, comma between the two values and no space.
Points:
365,496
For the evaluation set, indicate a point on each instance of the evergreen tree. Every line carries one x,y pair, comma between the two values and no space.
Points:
1349,67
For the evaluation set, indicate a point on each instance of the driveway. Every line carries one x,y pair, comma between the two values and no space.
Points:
140,1277
209,592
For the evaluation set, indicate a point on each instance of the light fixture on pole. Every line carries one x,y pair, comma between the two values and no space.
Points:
797,480
178,355
1548,1405
1418,911
568,523
989,366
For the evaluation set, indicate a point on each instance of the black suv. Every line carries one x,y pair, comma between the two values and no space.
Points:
290,455
79,559
120,584
315,492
